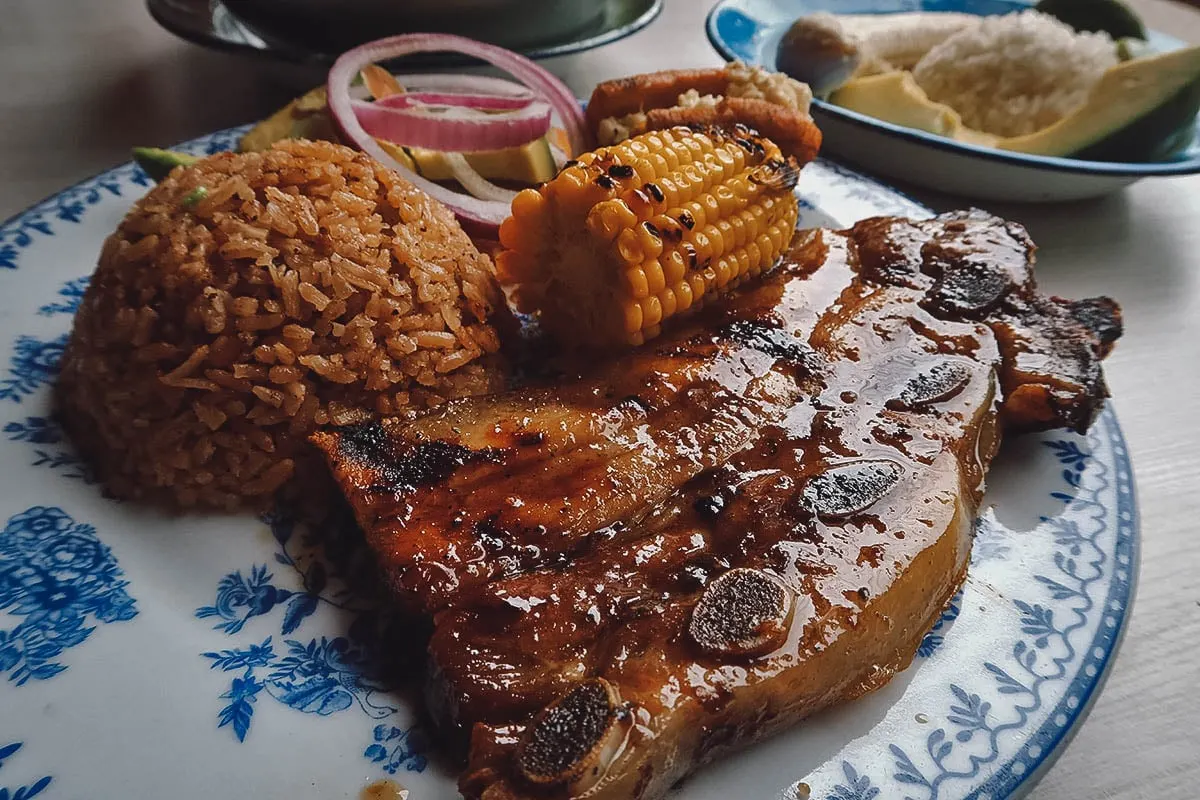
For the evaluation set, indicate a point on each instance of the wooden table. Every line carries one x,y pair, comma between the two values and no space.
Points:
83,81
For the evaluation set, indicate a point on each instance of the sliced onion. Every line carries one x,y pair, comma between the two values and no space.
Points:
456,133
475,183
484,102
485,215
464,84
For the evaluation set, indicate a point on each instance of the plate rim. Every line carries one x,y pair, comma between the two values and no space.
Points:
286,53
1073,166
1003,783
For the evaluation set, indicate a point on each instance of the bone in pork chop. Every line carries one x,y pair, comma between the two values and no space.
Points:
711,538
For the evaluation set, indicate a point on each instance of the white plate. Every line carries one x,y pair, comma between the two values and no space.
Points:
750,30
148,656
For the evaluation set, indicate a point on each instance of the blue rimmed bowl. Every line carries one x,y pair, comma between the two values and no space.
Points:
750,30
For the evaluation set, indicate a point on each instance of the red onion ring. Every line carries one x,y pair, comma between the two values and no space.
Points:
485,102
481,214
417,127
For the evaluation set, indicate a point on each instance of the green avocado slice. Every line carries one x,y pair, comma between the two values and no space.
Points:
1141,110
158,163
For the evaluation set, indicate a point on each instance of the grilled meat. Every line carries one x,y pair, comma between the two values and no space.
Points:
646,565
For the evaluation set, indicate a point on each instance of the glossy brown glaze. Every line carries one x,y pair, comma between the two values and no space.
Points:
770,527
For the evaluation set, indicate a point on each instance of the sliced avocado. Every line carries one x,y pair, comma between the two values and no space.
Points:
897,98
306,117
528,164
1110,16
1140,110
158,163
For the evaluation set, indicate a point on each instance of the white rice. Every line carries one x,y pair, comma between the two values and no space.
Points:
1015,74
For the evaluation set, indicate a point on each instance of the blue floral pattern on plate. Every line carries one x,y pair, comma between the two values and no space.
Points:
321,676
55,576
282,634
26,792
34,364
49,447
953,757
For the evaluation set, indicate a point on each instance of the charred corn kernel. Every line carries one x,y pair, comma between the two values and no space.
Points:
695,213
631,236
650,239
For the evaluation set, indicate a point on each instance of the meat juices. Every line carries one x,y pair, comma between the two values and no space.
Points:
702,542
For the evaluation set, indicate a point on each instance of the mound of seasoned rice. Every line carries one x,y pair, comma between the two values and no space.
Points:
1015,74
252,297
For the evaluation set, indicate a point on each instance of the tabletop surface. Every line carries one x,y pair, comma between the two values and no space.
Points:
83,81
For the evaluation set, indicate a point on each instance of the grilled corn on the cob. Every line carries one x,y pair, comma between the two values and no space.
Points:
631,235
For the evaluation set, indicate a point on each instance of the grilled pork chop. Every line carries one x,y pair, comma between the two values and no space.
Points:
713,537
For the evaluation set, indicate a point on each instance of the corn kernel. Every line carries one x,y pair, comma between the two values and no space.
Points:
609,218
633,318
651,311
670,191
528,204
655,280
650,243
776,234
635,280
765,247
673,267
629,248
683,295
738,226
645,170
718,228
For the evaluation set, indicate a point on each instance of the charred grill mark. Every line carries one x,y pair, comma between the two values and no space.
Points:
605,182
367,443
777,174
938,384
969,290
654,191
687,220
620,171
405,470
744,612
849,489
650,229
1101,316
769,339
